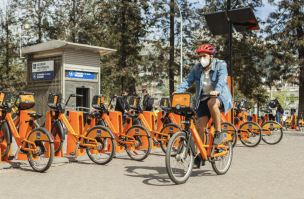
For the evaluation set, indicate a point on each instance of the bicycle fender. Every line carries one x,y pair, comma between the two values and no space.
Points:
271,124
61,134
250,125
101,131
6,132
40,134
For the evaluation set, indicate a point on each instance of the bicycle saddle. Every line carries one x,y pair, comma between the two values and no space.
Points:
36,115
132,115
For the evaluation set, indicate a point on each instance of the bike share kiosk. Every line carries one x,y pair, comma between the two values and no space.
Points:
66,68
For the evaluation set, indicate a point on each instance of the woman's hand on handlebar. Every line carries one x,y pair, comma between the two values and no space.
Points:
213,94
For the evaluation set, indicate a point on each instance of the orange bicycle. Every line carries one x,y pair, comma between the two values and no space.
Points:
135,138
35,143
272,131
300,125
181,149
98,141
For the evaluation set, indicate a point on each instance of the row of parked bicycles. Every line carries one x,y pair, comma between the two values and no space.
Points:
103,133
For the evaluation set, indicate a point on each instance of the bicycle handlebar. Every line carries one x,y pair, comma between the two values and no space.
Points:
25,93
208,95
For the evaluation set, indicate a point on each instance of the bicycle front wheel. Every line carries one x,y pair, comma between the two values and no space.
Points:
42,158
179,162
5,139
141,147
221,164
105,151
169,130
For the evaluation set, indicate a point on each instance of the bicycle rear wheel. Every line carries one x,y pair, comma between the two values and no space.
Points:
105,151
232,130
253,138
142,148
275,135
179,163
221,164
42,159
170,130
5,139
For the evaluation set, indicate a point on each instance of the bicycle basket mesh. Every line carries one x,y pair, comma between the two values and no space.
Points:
134,102
25,102
97,101
54,100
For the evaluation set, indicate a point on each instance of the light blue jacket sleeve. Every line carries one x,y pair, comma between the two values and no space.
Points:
187,82
222,78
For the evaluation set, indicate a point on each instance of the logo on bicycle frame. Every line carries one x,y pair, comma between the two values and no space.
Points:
171,129
225,126
38,136
98,132
136,131
225,136
250,126
271,125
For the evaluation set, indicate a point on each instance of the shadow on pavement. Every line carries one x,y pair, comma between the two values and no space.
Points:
159,176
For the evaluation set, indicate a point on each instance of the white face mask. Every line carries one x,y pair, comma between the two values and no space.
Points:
205,62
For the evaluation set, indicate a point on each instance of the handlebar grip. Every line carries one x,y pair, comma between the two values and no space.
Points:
55,94
25,93
76,95
208,94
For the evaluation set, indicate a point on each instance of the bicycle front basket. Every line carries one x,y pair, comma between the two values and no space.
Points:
25,102
5,98
54,100
134,102
183,103
98,101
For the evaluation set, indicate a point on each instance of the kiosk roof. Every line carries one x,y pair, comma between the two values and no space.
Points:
56,44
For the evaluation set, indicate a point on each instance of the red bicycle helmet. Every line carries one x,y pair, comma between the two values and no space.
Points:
206,48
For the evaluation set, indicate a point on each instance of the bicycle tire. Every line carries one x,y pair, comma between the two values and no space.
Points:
183,142
235,133
215,165
58,132
41,146
280,130
134,154
245,142
162,144
108,151
6,139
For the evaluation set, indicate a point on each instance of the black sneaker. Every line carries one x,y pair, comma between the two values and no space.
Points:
197,162
218,138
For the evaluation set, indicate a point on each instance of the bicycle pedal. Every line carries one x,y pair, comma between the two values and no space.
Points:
72,153
11,157
155,141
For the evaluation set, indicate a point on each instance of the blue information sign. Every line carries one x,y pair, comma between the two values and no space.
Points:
43,70
80,75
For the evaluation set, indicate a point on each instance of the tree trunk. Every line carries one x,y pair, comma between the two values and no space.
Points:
300,35
7,52
123,61
74,22
171,62
39,23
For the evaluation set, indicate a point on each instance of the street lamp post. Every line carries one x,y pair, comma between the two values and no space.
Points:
19,32
181,60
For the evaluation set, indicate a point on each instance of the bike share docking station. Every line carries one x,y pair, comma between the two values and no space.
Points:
67,68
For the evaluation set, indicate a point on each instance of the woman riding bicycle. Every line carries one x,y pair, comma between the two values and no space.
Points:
210,76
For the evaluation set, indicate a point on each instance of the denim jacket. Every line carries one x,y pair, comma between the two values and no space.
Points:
218,74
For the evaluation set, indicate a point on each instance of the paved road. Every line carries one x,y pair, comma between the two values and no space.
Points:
262,172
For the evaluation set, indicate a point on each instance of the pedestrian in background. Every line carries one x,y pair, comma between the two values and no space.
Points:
271,107
279,111
122,105
146,105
